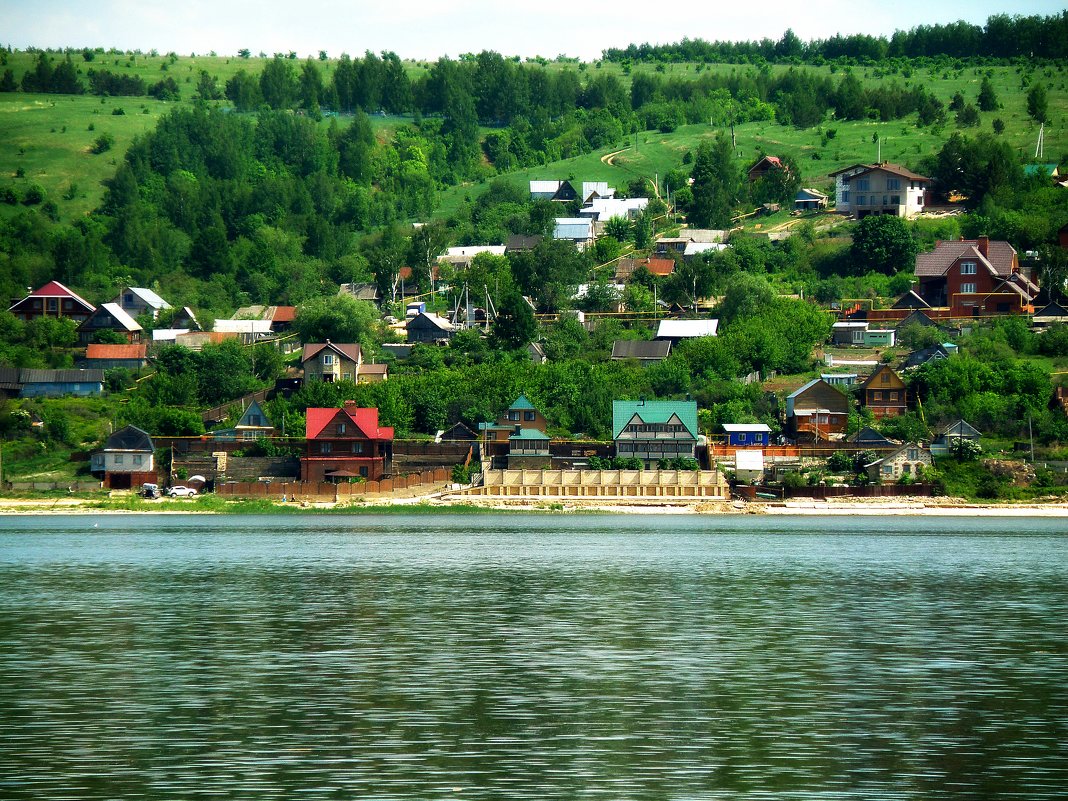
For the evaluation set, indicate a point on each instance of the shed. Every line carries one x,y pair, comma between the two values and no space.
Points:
747,435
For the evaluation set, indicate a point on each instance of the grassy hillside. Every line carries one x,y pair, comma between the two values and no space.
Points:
48,137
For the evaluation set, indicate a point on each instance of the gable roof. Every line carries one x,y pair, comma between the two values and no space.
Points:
809,194
429,319
897,452
54,289
130,438
33,376
348,351
641,349
959,428
254,408
1052,310
365,419
529,433
150,298
360,290
869,436
924,355
683,329
573,228
522,404
772,162
744,428
893,169
117,313
877,371
623,411
116,351
911,300
854,168
998,261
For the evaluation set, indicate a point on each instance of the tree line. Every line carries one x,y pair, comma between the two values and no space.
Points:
1003,37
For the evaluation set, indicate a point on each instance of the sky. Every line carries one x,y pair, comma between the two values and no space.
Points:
424,30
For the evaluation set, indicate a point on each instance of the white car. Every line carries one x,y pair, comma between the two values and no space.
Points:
181,492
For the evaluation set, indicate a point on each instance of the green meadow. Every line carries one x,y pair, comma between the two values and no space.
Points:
47,139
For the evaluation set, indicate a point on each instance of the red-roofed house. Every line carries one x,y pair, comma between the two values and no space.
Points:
53,300
975,277
764,166
346,443
625,268
108,357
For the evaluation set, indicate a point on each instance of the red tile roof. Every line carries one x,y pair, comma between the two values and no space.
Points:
116,352
366,421
658,266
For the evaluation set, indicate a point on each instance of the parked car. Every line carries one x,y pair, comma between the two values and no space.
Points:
181,492
150,490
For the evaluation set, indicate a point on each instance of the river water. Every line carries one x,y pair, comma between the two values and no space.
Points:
532,657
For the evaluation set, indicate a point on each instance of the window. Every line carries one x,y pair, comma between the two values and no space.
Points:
513,416
341,428
968,288
325,447
895,200
845,197
118,458
885,377
51,304
893,183
862,184
913,454
137,461
893,396
741,439
906,469
254,420
328,359
528,417
967,268
888,470
886,200
357,447
363,472
127,300
862,200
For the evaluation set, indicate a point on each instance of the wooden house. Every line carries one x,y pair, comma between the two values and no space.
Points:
644,352
654,430
53,300
505,437
429,328
346,443
252,425
747,435
883,392
137,300
110,317
109,357
59,383
816,411
557,191
765,165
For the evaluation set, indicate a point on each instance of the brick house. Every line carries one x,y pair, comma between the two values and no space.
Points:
905,461
975,277
883,392
346,443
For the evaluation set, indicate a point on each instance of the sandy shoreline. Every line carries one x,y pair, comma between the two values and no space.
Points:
933,507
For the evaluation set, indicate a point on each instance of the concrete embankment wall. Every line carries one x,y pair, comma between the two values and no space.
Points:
602,484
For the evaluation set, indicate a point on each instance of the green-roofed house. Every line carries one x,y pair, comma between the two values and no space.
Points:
1047,171
528,449
654,430
519,417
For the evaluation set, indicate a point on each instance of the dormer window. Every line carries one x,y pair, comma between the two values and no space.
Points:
967,268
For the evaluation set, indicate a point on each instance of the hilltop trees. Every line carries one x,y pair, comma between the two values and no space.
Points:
716,184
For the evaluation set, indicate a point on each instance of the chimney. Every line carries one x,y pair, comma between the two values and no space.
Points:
983,243
349,404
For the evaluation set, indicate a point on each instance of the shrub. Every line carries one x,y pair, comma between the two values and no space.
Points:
102,143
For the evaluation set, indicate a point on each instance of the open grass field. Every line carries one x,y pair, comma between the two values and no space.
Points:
47,137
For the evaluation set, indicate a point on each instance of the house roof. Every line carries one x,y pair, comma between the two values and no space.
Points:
28,376
119,315
254,408
116,352
9,378
999,259
882,368
360,290
852,168
869,436
458,431
283,314
470,251
640,349
772,161
522,404
544,187
374,369
366,421
959,428
683,329
910,300
130,438
801,390
242,326
600,188
428,318
623,411
893,169
522,242
745,428
350,351
606,208
1052,310
924,355
899,450
810,194
54,289
151,299
573,228
530,433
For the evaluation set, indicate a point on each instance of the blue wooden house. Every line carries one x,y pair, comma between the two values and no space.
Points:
747,435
